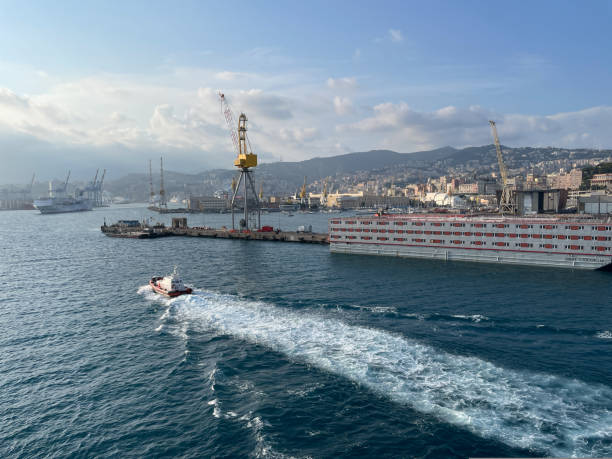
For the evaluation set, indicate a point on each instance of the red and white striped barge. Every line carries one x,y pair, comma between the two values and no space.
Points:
549,241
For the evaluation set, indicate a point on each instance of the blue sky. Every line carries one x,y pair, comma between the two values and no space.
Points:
115,82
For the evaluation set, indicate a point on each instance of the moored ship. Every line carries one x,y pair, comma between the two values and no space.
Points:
547,241
61,205
59,202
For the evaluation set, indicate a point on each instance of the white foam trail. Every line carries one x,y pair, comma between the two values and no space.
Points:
545,413
474,318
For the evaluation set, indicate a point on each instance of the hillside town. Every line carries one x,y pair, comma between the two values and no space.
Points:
543,180
571,188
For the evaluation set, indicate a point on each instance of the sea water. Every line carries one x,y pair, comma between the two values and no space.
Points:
286,350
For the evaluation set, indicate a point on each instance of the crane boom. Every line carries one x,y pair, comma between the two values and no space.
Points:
507,203
66,182
502,167
242,144
303,190
229,120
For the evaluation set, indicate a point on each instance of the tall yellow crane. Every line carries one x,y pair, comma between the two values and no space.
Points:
245,161
507,204
303,190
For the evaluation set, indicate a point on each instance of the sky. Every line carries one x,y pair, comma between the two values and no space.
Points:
99,84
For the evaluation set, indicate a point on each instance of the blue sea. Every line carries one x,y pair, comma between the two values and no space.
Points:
286,350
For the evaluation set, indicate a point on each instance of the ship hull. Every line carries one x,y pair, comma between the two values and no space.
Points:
579,243
475,255
50,207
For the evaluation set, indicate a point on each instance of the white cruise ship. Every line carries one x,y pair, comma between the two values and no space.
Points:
63,204
59,202
547,241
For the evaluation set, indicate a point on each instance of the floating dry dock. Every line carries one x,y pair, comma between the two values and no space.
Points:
133,229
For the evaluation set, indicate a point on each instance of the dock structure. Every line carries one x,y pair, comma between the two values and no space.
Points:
137,230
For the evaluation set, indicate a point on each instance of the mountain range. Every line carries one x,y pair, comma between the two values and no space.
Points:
286,177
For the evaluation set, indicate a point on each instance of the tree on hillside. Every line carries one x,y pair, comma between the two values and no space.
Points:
589,171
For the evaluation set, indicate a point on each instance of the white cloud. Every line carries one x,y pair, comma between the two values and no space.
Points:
298,135
396,35
342,83
121,120
342,105
405,128
230,76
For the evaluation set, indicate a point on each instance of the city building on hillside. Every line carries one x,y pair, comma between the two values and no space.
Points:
445,200
336,199
541,201
314,200
595,204
364,200
207,204
602,180
468,188
563,181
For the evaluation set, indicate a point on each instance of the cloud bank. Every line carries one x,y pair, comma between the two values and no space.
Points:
118,122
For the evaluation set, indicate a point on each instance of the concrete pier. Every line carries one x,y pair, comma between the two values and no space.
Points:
140,231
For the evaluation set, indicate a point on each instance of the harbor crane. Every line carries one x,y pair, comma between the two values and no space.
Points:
64,188
151,191
27,192
99,201
162,191
303,191
245,161
507,204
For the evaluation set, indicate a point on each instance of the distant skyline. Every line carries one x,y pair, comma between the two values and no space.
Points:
112,84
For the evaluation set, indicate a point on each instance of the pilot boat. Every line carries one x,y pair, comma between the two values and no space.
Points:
170,285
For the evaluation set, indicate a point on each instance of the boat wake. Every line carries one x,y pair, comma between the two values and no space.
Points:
540,412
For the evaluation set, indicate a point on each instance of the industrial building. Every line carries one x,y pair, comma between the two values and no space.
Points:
597,204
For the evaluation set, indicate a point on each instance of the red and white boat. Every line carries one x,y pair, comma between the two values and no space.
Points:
170,285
